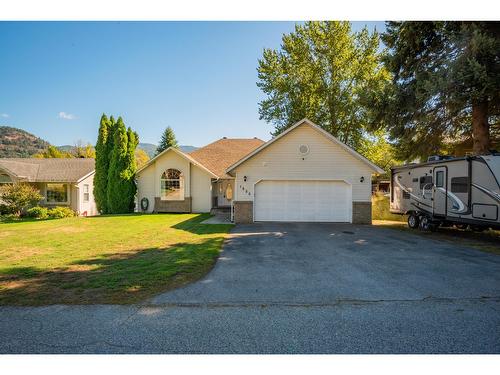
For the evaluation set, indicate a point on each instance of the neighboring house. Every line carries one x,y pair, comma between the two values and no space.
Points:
304,174
62,182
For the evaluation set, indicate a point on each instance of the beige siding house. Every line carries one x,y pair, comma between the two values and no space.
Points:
304,174
174,181
61,182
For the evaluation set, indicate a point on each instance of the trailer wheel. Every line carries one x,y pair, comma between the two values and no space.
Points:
427,225
413,221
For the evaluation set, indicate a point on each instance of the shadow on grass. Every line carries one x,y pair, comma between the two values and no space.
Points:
114,278
194,226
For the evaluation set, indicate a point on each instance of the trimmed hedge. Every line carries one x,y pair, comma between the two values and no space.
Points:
38,212
60,212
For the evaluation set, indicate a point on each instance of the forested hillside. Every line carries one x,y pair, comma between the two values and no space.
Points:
17,143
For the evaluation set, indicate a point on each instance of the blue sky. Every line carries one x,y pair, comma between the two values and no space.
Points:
57,78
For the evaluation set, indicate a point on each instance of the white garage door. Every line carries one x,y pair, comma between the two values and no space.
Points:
320,201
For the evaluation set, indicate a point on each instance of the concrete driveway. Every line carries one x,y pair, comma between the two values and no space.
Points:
294,288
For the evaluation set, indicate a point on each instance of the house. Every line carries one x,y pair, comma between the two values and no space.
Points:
61,182
304,174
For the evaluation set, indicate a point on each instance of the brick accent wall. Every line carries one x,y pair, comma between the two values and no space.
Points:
243,212
172,206
361,212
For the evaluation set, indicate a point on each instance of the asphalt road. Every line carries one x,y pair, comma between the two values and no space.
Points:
294,288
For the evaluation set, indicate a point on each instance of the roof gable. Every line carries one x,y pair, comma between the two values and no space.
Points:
307,122
178,152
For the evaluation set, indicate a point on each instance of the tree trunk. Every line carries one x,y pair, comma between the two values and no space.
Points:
480,128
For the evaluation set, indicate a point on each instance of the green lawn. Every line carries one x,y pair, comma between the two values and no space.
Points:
104,259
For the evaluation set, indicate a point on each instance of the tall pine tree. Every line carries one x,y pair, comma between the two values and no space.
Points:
133,141
445,86
167,140
102,165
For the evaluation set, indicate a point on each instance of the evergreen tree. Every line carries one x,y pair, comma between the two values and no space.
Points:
446,85
118,189
167,140
133,141
102,165
111,137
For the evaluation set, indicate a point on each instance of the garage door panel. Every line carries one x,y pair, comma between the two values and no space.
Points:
291,200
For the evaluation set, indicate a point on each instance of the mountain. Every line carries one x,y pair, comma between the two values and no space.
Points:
18,143
188,149
150,148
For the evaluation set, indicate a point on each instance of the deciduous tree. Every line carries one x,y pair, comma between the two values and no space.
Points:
323,71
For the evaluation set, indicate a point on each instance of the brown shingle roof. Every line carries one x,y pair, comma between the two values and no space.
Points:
41,170
219,155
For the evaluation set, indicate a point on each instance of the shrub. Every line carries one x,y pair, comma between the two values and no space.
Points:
38,212
60,212
19,197
5,210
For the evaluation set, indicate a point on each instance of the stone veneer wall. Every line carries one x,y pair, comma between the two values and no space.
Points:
172,206
243,212
361,212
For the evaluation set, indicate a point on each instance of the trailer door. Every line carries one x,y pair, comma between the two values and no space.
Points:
440,191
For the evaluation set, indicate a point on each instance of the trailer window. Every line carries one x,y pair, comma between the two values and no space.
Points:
424,180
460,184
439,179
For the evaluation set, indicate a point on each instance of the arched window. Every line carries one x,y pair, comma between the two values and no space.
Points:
172,185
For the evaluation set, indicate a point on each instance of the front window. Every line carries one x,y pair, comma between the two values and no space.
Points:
57,193
172,185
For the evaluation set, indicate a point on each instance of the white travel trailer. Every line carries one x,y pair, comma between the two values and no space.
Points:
447,191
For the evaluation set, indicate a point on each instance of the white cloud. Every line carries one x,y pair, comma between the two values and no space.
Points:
66,116
4,115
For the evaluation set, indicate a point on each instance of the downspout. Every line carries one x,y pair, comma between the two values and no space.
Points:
77,199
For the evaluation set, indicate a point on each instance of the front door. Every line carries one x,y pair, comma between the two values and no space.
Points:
440,191
224,192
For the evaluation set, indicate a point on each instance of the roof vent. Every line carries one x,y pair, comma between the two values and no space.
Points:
439,157
304,149
224,137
